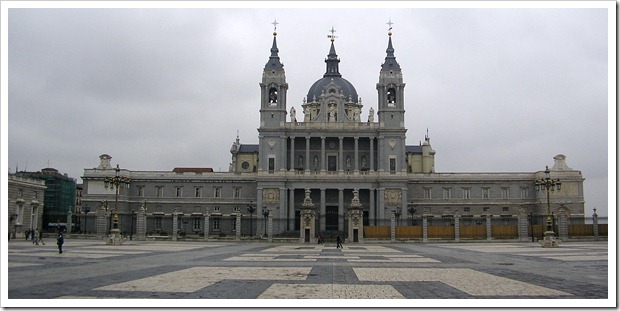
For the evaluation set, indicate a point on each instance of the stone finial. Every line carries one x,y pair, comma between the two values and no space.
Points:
104,162
560,163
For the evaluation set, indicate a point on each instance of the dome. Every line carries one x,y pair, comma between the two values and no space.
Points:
345,86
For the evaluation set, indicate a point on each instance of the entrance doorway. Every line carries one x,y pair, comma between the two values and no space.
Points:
331,218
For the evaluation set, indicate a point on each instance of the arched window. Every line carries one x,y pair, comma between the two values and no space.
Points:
273,95
391,96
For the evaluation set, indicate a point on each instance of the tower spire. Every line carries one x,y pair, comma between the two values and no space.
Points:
390,60
274,60
332,58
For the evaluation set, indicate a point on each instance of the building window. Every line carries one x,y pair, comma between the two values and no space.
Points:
196,224
524,193
272,164
216,224
447,193
392,165
233,224
505,209
141,191
427,193
466,193
198,192
466,209
236,209
216,209
237,192
217,192
485,193
158,223
178,192
505,193
485,209
159,191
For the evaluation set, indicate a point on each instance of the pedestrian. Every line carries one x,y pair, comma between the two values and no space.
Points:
60,241
318,239
41,237
27,234
338,242
35,237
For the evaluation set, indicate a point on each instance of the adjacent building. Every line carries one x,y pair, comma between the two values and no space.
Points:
321,149
59,197
26,203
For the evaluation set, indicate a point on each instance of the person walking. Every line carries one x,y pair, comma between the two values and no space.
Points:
35,237
338,242
41,238
60,241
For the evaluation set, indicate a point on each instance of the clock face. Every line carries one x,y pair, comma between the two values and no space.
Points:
245,165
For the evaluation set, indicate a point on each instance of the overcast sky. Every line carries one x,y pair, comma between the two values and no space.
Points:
500,90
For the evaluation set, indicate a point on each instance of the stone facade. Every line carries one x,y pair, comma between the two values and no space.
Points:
331,152
25,206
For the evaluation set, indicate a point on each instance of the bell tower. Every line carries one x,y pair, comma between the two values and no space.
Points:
272,144
391,112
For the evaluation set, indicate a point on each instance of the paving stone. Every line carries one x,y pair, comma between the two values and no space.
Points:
164,272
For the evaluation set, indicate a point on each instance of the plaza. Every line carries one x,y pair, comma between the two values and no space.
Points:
260,273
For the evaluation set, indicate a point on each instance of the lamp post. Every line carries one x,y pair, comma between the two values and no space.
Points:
397,214
116,182
265,214
109,224
412,209
548,184
251,210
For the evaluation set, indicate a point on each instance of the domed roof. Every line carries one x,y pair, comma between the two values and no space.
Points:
332,74
345,86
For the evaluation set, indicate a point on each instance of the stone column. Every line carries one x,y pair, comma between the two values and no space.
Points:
206,226
323,167
372,154
488,218
595,225
562,224
392,228
381,207
69,221
175,225
307,160
424,228
522,225
141,223
341,155
322,211
291,209
371,207
340,209
356,166
292,162
102,224
457,227
259,209
238,227
270,228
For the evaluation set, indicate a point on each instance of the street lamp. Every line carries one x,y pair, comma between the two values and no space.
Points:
548,184
397,214
117,182
251,210
412,209
265,214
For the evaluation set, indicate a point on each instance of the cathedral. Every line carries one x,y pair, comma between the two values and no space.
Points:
316,169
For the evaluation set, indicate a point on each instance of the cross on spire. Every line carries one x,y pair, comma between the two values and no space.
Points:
275,24
389,23
332,36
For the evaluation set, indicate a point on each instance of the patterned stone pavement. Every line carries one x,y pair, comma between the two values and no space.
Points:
262,274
